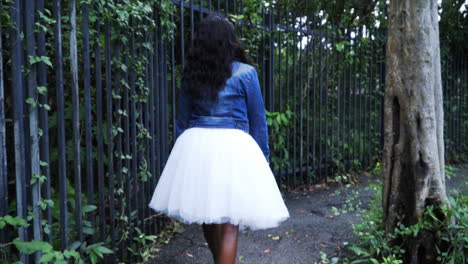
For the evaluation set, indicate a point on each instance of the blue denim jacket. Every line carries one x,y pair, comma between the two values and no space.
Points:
240,105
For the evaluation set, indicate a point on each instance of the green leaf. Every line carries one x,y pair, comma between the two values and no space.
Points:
340,46
104,250
89,208
93,257
15,221
75,245
36,59
278,119
32,246
88,230
47,258
31,102
46,107
358,251
41,89
71,253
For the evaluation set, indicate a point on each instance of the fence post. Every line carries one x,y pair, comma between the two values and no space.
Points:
44,120
110,134
88,115
3,152
62,173
76,120
18,106
33,122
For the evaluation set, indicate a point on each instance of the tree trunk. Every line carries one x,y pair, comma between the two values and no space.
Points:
413,156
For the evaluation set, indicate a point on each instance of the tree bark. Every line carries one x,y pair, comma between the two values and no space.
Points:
413,156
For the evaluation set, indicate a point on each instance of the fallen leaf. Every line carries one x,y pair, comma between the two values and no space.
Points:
189,255
330,217
291,230
266,250
275,238
269,235
241,258
296,238
323,244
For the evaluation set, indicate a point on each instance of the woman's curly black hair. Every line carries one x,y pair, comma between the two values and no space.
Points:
209,59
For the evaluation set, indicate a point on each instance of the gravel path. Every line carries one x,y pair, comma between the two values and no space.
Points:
311,228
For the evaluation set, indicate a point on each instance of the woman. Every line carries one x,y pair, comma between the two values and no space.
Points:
217,174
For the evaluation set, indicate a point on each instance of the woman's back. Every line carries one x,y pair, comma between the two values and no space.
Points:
239,105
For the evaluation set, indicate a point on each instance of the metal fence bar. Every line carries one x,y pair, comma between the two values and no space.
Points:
279,177
294,87
325,144
133,201
301,96
127,151
19,139
110,134
314,99
3,151
99,132
119,113
335,101
91,217
145,114
288,133
76,121
320,112
338,105
348,106
44,120
33,123
61,126
359,95
152,120
271,63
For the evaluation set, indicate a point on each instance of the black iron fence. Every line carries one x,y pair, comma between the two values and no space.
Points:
87,110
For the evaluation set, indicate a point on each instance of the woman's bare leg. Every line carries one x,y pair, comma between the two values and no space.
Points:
222,241
227,250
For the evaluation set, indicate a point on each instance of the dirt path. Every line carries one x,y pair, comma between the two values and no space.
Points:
311,228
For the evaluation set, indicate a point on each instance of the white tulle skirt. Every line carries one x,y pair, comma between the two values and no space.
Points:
219,175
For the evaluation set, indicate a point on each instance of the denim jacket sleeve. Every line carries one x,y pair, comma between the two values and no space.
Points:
183,114
256,111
